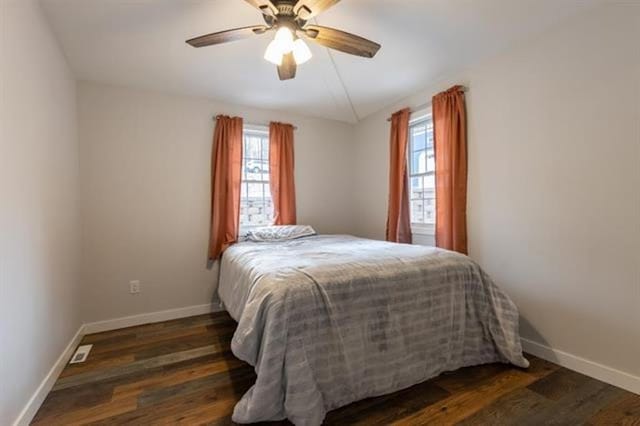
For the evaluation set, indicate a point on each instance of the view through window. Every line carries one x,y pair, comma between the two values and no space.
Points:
256,207
422,172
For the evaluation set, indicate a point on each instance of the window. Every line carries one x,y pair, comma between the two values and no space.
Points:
256,207
422,173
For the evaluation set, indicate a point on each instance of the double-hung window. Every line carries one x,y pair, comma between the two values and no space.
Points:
422,191
256,207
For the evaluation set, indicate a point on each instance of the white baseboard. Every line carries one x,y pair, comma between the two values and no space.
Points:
581,365
29,411
36,400
169,314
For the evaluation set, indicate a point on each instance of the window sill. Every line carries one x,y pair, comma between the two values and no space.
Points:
423,229
423,233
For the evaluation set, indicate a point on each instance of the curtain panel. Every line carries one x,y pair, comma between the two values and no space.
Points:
281,173
450,144
399,216
226,176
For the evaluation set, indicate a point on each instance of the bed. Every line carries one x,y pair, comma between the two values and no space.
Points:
327,320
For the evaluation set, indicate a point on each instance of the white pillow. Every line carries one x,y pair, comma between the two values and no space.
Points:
280,233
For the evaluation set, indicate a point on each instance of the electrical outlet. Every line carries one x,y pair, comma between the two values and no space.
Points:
134,287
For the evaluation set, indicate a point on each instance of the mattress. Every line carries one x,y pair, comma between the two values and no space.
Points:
331,319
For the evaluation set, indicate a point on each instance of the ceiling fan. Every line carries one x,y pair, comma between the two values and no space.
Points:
290,18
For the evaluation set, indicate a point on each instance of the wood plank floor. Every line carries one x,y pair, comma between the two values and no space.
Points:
183,372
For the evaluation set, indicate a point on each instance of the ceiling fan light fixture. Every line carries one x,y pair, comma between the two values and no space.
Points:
273,53
301,52
284,39
289,18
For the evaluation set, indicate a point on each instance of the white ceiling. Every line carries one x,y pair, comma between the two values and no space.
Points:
141,43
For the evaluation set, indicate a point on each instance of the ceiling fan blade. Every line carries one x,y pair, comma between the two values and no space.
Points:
342,41
307,9
264,6
287,70
225,36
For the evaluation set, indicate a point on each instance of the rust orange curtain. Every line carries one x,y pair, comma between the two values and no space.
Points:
399,217
226,176
450,143
281,173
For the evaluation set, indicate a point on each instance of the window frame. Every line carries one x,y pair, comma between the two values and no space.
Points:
262,131
417,117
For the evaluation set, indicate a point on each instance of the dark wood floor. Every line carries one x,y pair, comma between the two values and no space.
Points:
183,372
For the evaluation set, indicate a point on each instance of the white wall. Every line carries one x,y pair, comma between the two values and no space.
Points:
146,167
39,211
554,181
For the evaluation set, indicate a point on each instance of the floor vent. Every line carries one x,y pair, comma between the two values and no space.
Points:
81,354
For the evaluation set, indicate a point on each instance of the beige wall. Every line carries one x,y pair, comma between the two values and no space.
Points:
39,215
554,181
145,167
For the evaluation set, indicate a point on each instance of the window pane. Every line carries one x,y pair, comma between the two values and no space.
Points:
431,161
429,196
422,173
429,134
256,207
417,208
256,169
259,210
416,188
430,216
267,204
252,147
429,181
419,162
418,137
254,191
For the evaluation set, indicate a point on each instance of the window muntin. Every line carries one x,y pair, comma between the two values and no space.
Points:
256,206
422,172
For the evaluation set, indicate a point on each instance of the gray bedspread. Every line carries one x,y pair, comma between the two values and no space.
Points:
331,319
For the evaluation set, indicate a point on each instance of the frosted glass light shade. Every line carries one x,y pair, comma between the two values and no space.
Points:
273,53
284,39
301,52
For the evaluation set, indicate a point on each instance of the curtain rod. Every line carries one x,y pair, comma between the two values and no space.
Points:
464,89
254,124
